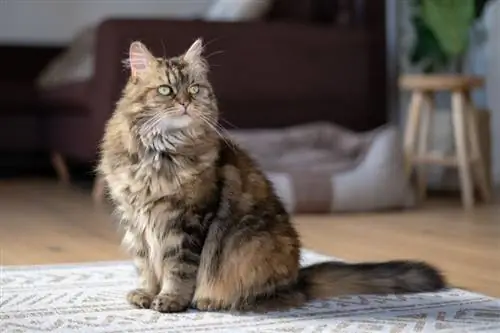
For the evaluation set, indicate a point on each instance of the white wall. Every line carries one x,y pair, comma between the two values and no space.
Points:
56,21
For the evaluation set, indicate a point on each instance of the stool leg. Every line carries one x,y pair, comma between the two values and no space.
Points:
411,131
425,126
61,168
478,167
98,189
460,134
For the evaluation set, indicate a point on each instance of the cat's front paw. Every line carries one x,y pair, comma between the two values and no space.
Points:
140,298
169,303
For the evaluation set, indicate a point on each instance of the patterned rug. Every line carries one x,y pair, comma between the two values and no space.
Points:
90,298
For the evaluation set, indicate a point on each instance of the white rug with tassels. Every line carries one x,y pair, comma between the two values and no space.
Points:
91,298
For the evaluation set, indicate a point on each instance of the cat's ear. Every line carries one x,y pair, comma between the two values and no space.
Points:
195,59
193,54
139,58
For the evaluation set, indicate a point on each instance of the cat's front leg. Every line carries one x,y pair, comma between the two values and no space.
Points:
180,261
149,286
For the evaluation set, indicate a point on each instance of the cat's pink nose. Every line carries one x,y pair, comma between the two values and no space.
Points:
184,104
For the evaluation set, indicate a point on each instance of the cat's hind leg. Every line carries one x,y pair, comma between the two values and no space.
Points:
239,266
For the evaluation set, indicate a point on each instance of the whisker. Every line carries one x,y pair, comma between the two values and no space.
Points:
213,54
151,123
163,48
211,41
217,129
228,122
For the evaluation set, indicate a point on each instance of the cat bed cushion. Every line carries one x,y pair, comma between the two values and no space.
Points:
321,167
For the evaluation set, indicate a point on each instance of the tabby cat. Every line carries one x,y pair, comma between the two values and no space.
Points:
203,224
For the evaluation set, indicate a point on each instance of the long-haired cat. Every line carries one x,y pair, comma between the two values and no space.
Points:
202,222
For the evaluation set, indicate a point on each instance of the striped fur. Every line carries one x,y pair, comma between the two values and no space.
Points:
200,219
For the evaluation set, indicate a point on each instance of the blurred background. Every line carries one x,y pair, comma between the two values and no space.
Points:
347,105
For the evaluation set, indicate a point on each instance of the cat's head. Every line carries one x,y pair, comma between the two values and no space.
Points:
169,96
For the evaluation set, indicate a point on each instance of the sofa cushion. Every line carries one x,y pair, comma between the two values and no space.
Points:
74,65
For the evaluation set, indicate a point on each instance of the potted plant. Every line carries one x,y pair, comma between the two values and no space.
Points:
442,33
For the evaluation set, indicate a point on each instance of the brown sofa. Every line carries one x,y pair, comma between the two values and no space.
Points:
282,71
21,113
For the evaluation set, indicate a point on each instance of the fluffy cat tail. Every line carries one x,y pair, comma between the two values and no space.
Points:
332,279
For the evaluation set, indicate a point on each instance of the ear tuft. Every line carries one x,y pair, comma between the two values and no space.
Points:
194,52
139,58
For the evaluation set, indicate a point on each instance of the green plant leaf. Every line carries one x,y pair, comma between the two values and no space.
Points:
427,49
450,21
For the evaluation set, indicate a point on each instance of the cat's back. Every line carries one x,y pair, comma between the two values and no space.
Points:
249,185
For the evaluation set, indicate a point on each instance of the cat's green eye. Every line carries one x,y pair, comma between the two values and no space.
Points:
164,90
194,89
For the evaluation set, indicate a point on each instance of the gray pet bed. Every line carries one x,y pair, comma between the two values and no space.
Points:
320,167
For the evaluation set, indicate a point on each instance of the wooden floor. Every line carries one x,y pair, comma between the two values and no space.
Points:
41,222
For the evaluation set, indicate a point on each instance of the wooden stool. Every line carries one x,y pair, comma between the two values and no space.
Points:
468,157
